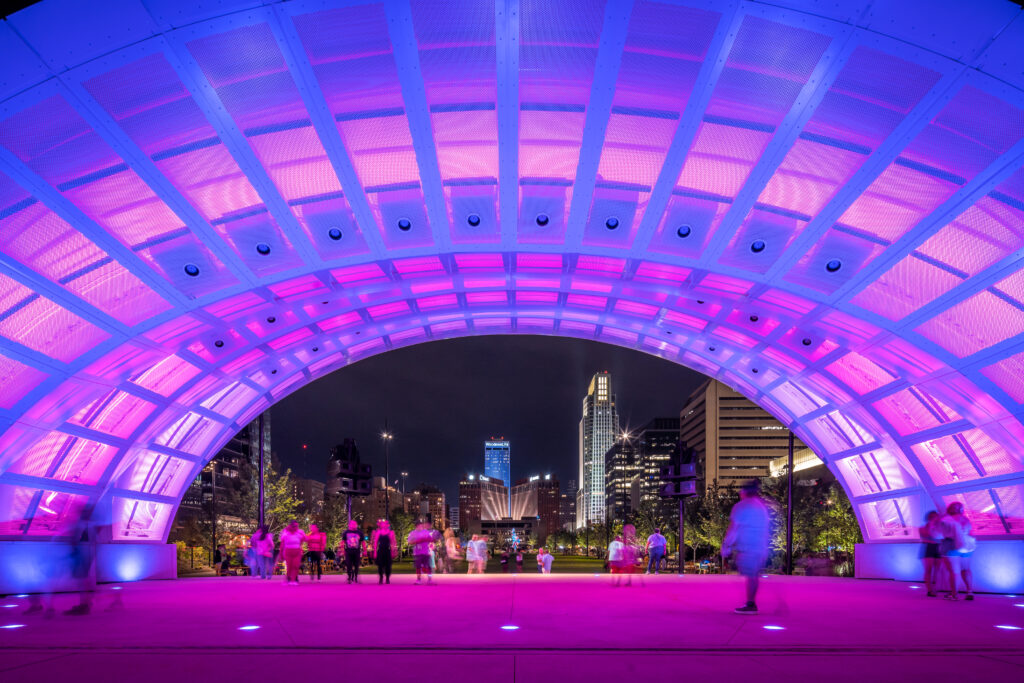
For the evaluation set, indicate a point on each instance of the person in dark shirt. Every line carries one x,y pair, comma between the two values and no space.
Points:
351,541
384,546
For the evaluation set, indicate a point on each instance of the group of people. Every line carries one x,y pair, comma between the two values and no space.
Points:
948,546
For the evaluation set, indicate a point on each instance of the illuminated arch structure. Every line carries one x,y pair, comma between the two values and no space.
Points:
820,204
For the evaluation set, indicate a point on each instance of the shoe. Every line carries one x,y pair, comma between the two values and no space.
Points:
969,596
77,610
381,581
952,596
932,595
388,581
749,608
646,573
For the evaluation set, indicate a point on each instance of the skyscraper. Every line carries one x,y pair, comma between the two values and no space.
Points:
598,428
481,499
498,462
621,465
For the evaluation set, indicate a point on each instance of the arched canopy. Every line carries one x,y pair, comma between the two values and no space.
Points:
204,207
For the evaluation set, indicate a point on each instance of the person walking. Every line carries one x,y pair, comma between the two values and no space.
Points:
656,544
931,538
503,560
471,555
291,539
519,561
421,538
616,550
451,550
351,540
957,548
544,561
384,546
262,543
747,538
316,544
481,555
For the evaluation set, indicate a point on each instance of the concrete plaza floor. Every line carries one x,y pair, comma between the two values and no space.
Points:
570,628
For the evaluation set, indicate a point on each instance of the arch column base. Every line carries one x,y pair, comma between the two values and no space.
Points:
30,567
998,565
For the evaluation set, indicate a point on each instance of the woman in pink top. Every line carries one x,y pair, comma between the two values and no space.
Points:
263,547
316,544
291,538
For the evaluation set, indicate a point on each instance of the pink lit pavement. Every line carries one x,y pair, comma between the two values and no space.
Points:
570,628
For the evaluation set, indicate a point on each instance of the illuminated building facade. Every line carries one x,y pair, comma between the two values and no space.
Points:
498,462
598,429
538,498
656,441
735,439
621,465
481,499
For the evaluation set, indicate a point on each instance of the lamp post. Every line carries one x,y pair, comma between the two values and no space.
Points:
387,436
404,475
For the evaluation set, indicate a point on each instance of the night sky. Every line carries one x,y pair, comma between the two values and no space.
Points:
444,399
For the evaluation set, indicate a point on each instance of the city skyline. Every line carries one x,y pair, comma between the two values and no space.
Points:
542,379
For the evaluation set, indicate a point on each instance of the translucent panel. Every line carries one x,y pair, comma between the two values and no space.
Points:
139,520
874,472
859,373
17,379
911,411
14,509
166,376
894,519
156,473
116,413
906,287
1008,374
192,433
56,513
65,457
837,433
981,509
1011,506
966,456
231,400
974,324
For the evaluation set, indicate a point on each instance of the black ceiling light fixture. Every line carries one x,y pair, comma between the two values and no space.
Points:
757,246
271,319
542,219
219,344
473,219
404,224
711,348
263,249
805,341
753,370
611,223
833,265
315,349
684,230
192,270
334,234
754,318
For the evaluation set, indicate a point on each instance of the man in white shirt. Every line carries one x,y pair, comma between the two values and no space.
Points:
656,544
747,537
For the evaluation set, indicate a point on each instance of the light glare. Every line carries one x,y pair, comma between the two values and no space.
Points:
248,628
510,628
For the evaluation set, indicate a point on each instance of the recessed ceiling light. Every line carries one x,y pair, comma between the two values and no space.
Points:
334,234
833,265
611,223
757,246
262,249
473,219
192,270
404,224
542,219
684,231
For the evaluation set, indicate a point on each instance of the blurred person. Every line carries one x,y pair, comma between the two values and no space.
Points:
384,545
421,538
351,542
616,550
262,544
656,544
931,538
222,560
472,550
747,538
519,561
957,548
316,543
451,550
503,559
630,552
291,539
481,554
544,561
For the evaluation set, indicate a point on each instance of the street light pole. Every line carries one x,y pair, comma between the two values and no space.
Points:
404,475
262,493
387,471
789,508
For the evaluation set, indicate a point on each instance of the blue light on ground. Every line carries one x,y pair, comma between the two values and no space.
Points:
248,628
10,605
509,628
13,626
915,587
1019,604
23,595
115,588
1007,627
774,628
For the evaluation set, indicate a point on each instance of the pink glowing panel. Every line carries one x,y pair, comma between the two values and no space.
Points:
721,158
904,358
1008,375
809,176
442,284
297,288
123,362
326,364
407,336
985,510
836,432
290,384
192,434
175,332
388,310
588,284
618,336
166,376
490,323
859,373
1012,286
734,337
586,301
243,362
486,298
968,455
636,309
56,513
367,348
418,267
911,411
787,303
683,320
434,302
874,472
65,457
17,380
543,325
117,413
14,504
784,360
232,307
340,321
847,327
974,324
139,520
156,473
1011,507
357,275
893,519
230,400
207,385
538,262
536,298
478,262
41,325
291,339
798,401
661,273
906,287
979,237
483,282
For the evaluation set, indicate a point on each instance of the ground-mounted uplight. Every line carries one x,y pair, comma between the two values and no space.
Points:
192,270
1008,627
115,588
404,224
9,606
263,249
13,626
771,627
509,627
248,628
915,587
25,595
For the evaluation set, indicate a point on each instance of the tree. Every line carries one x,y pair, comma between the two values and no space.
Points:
712,517
333,518
280,504
402,523
836,524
